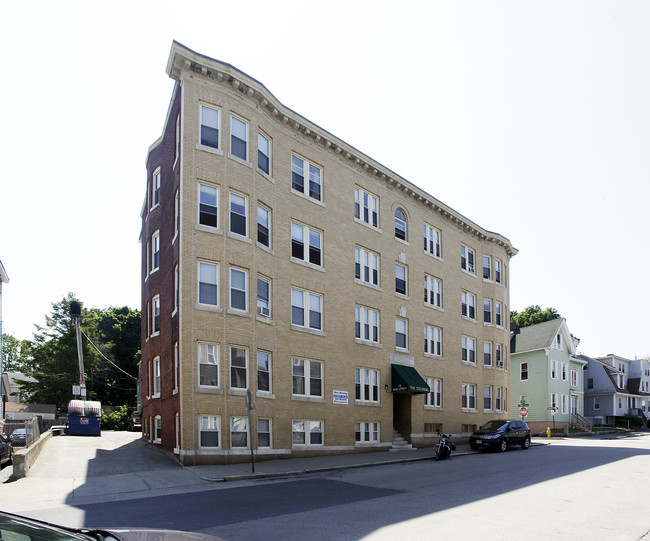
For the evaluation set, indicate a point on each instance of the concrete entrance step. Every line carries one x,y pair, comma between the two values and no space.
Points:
399,443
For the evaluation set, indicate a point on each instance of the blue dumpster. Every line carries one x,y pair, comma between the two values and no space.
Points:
84,418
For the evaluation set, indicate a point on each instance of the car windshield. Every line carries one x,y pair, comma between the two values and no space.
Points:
493,425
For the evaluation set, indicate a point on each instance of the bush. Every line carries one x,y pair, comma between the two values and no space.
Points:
117,420
635,422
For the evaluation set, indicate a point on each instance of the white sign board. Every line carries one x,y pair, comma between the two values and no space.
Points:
340,397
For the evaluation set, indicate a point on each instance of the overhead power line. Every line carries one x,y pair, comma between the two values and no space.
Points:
105,357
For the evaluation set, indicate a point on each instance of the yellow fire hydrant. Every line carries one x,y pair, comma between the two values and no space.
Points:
548,431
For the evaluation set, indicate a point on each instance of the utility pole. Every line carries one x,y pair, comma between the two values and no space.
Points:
75,312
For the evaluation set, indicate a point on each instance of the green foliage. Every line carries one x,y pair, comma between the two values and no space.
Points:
53,358
117,420
532,315
15,353
633,420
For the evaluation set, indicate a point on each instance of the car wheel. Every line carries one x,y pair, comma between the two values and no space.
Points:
526,443
503,446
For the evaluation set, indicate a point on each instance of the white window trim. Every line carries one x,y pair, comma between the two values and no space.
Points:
428,231
465,393
309,423
365,378
406,333
436,389
433,333
306,180
198,284
248,434
155,303
372,437
217,430
471,270
156,178
246,159
246,367
232,233
269,175
359,196
360,313
270,372
307,379
465,297
306,246
430,283
157,421
232,309
155,248
155,368
218,150
306,309
466,342
362,254
206,227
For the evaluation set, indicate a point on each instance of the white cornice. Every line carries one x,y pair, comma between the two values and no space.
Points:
183,61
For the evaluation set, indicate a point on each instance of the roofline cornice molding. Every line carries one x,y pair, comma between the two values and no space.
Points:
183,61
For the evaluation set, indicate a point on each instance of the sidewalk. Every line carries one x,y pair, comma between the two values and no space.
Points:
296,466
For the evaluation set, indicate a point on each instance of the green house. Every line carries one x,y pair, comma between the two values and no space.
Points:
546,377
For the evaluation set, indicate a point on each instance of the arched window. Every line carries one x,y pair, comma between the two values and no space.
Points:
400,225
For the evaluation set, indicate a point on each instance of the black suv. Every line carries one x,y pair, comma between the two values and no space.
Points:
499,434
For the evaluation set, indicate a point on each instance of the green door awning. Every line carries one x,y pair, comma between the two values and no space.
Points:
405,379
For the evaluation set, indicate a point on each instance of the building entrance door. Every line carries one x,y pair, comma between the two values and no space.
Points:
402,414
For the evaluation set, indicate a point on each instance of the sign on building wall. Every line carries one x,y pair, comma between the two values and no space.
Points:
340,397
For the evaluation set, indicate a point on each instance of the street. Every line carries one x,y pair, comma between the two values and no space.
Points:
584,488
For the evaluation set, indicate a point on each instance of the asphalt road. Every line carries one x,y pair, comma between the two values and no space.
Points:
572,489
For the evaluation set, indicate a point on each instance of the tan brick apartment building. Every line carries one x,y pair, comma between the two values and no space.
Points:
281,260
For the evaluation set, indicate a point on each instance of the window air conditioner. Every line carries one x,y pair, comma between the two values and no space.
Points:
264,311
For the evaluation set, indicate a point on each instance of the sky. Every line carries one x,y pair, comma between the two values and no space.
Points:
529,118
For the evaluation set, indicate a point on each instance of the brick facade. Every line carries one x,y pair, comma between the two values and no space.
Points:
325,274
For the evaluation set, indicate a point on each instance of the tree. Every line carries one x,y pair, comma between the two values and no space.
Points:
15,353
111,352
532,315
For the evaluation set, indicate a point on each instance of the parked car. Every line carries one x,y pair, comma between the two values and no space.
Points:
18,437
6,452
500,434
135,422
27,529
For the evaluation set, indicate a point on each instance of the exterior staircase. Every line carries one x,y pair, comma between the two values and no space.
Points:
579,422
399,443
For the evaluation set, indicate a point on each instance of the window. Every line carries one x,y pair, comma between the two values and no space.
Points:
434,397
156,315
208,364
558,341
366,266
177,146
401,333
469,396
238,433
574,378
366,432
366,385
553,369
263,154
176,366
209,126
299,167
487,353
156,188
432,241
208,283
468,305
264,371
497,314
400,279
155,251
208,204
498,350
487,267
487,311
432,291
564,404
263,296
238,289
208,431
433,340
176,285
366,324
400,225
497,271
469,350
554,400
366,207
158,429
238,367
263,226
523,372
596,402
307,378
238,138
590,383
467,259
564,371
305,237
156,377
238,206
306,309
487,397
177,212
301,429
264,433
500,402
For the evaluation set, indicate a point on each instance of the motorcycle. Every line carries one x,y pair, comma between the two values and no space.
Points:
444,446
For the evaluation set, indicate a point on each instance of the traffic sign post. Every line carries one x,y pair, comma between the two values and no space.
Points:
523,411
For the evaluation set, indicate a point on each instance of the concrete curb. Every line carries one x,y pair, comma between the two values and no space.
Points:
267,475
24,459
